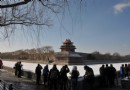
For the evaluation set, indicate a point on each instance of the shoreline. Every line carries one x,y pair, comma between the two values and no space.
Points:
85,62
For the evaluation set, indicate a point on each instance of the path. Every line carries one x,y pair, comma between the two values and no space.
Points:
26,84
19,83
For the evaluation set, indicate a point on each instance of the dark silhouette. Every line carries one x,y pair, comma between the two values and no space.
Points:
45,75
16,68
1,64
74,78
11,87
53,77
102,76
112,75
19,69
88,78
126,70
122,74
38,73
63,77
107,75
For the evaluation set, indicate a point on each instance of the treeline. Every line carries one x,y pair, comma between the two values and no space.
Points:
47,52
42,53
107,56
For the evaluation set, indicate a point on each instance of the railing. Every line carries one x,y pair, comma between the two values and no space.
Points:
5,86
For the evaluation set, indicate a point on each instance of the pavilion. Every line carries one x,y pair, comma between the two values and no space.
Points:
68,54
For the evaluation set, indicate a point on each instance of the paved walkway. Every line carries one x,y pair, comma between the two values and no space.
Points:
26,84
19,83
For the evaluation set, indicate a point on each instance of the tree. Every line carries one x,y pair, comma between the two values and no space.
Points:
22,13
116,56
107,56
48,51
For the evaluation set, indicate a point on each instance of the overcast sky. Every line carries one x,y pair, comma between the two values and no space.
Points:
101,25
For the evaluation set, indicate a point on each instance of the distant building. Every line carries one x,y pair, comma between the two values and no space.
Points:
68,54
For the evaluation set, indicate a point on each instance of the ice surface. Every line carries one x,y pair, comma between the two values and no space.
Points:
31,66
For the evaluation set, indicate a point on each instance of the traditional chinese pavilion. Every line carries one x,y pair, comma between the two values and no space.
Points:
68,54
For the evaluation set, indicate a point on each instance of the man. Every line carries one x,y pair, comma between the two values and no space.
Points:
1,64
63,77
19,70
53,76
45,75
88,78
38,73
74,78
16,68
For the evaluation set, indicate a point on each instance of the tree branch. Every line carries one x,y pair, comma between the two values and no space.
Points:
15,4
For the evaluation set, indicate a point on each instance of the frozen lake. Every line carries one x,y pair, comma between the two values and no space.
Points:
31,66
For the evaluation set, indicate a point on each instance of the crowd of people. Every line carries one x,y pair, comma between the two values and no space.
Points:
55,78
125,70
107,75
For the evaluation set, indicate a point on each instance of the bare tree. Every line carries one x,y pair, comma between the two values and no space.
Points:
20,13
107,56
116,56
48,52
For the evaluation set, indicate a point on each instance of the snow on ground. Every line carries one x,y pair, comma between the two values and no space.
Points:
31,66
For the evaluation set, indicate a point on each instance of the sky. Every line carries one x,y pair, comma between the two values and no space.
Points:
94,25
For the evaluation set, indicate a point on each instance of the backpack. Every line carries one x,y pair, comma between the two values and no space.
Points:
54,74
75,74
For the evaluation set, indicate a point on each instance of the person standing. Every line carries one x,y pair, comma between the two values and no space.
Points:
88,78
63,77
122,70
38,73
16,68
112,75
102,76
1,64
129,71
45,75
74,78
19,69
126,70
53,77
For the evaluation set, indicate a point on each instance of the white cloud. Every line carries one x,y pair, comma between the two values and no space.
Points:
118,8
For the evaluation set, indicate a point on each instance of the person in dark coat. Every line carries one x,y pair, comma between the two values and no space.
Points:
53,77
88,78
16,68
74,78
1,64
112,75
126,70
102,76
122,71
107,75
45,75
38,73
63,77
19,69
